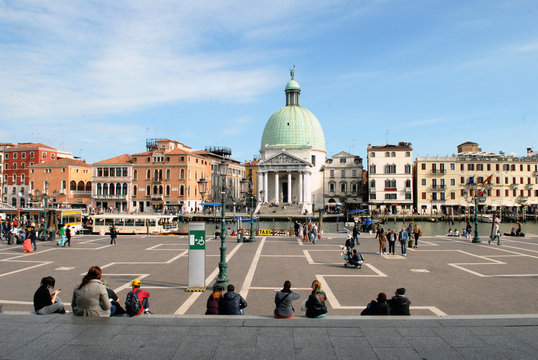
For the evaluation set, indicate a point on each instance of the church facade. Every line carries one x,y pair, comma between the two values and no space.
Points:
293,153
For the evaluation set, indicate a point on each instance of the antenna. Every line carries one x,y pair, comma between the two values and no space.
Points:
387,136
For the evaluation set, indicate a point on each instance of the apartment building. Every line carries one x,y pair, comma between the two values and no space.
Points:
17,161
390,178
448,184
68,181
112,188
3,181
343,180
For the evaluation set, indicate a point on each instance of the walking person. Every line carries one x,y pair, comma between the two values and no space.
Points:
468,228
416,231
113,234
33,237
391,237
381,237
356,234
68,236
284,301
403,237
61,232
495,233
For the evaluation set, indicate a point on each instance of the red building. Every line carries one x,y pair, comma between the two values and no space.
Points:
17,160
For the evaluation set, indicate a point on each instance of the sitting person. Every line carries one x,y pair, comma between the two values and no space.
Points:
379,307
356,259
44,302
232,303
513,232
316,304
464,232
115,306
399,304
349,242
90,298
134,307
456,233
449,232
212,307
283,301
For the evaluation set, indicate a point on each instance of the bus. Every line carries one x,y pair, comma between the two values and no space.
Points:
133,223
55,216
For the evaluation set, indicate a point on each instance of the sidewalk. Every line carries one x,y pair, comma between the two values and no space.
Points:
26,336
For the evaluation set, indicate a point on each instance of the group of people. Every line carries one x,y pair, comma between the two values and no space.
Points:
91,298
398,305
307,231
13,233
403,237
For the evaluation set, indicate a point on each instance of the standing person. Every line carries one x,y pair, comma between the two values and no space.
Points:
283,302
416,231
61,232
44,302
315,233
232,303
410,228
356,234
392,241
381,237
309,227
212,307
399,304
316,304
296,226
113,234
33,237
403,237
68,236
468,228
305,232
379,307
137,300
90,298
495,233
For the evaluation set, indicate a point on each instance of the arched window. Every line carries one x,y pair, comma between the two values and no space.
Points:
111,189
124,189
160,174
118,189
15,182
182,174
160,189
105,189
148,174
155,189
182,190
148,190
14,201
372,184
89,186
73,185
196,175
387,154
343,187
98,189
407,183
156,174
23,202
22,180
135,175
167,190
135,191
64,184
168,174
80,186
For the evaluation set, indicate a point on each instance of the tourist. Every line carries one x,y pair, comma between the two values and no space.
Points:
212,307
33,237
381,237
113,234
449,232
310,227
399,304
355,259
468,228
232,303
134,307
379,307
90,298
519,230
316,304
115,306
495,233
417,233
391,237
305,232
68,236
403,237
61,232
349,242
44,302
15,235
356,234
296,226
283,302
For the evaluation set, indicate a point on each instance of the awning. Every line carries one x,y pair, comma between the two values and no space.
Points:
333,204
356,211
208,204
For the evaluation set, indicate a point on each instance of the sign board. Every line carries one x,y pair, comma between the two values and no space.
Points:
264,232
197,256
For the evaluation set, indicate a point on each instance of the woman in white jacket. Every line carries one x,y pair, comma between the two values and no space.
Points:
90,298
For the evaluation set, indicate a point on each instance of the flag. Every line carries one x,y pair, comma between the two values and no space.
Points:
471,181
487,180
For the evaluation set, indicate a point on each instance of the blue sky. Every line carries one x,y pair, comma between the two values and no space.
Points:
99,77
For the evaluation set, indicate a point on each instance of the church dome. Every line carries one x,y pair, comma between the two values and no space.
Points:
293,125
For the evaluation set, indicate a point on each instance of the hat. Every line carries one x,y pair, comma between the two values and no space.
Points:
136,282
349,236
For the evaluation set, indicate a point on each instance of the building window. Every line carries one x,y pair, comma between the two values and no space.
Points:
393,154
343,187
343,173
387,154
342,160
167,190
135,175
135,191
372,184
168,174
423,182
408,169
148,190
372,196
372,169
372,154
470,167
390,169
182,174
390,196
331,187
354,188
407,154
148,174
314,160
44,155
452,182
354,173
408,183
423,196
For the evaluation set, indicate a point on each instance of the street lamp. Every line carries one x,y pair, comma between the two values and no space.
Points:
38,197
246,188
222,279
476,197
202,189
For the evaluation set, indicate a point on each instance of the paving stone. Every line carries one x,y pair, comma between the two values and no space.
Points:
275,332
311,338
459,337
275,349
512,347
228,353
480,353
345,332
416,332
42,346
352,348
431,348
325,353
397,353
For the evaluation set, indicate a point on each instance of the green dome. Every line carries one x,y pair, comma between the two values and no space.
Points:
293,126
293,85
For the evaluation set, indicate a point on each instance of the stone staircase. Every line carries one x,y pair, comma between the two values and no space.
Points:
280,209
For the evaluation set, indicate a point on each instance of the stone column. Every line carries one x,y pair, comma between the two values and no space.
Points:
289,187
307,190
276,187
301,188
265,187
260,186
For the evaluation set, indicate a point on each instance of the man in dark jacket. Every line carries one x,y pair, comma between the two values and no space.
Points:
232,303
399,304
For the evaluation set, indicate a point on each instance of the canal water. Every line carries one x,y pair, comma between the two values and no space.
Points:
428,228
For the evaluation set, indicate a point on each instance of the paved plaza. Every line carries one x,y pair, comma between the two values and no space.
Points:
443,276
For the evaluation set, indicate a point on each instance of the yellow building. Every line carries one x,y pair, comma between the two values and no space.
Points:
504,182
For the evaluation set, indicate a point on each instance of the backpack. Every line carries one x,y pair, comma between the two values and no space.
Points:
132,303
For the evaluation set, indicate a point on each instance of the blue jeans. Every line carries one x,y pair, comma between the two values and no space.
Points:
498,239
404,247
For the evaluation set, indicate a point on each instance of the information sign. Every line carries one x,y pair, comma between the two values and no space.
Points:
196,256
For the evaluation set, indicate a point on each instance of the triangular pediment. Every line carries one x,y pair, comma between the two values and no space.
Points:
284,159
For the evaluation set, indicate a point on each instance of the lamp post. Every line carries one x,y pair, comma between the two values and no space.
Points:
222,278
45,197
246,188
476,198
202,189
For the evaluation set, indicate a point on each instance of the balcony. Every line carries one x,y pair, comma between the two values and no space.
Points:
110,197
438,171
78,192
390,189
436,186
157,180
156,196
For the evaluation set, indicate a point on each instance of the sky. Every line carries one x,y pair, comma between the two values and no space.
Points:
99,77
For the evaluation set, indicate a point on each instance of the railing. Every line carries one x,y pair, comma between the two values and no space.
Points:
79,192
157,197
111,197
438,186
438,171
